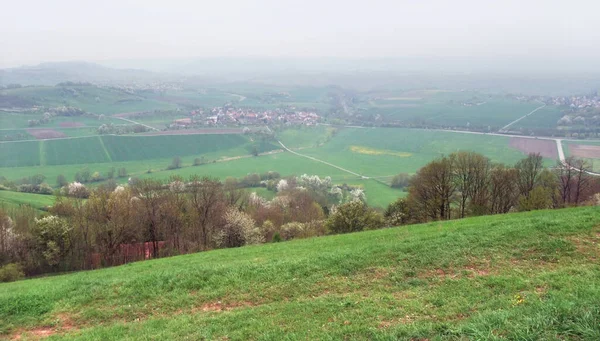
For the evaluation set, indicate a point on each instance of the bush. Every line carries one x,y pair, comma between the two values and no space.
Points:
122,172
400,180
292,230
199,161
175,164
11,272
354,216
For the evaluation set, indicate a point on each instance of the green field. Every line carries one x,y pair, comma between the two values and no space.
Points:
13,199
546,117
525,276
377,153
109,148
448,108
382,152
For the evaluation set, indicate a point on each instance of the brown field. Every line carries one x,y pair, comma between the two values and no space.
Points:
196,131
546,148
43,134
585,151
70,124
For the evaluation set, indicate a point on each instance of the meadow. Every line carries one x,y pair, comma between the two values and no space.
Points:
10,199
523,276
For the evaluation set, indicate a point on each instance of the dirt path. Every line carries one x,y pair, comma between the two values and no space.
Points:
134,122
321,161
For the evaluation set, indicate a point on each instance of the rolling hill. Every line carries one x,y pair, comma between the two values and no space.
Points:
519,276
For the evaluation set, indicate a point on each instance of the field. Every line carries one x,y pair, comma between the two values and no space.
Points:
382,152
525,276
10,199
109,148
587,150
547,148
546,117
376,153
454,108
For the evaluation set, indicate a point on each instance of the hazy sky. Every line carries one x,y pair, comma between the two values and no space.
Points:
55,30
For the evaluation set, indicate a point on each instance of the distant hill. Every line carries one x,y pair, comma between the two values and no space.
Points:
54,73
525,276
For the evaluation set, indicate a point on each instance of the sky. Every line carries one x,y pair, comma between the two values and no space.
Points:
555,32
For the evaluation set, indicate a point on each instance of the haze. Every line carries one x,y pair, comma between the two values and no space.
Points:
514,33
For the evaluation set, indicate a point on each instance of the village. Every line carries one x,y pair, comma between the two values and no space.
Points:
228,116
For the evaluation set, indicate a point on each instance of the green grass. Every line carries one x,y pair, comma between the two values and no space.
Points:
25,153
13,199
526,276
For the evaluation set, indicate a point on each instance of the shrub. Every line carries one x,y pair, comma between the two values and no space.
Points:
61,180
11,272
199,161
175,164
292,230
122,172
400,180
352,217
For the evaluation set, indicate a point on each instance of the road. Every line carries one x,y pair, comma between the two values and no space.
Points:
520,118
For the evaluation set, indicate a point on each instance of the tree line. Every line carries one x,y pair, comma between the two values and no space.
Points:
468,184
149,218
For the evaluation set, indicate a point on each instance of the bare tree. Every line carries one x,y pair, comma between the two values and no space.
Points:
503,189
470,171
432,189
529,170
582,178
207,202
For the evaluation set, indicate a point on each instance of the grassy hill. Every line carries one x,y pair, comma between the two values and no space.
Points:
519,276
14,199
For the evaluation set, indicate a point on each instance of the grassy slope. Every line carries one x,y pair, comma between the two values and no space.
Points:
519,276
38,201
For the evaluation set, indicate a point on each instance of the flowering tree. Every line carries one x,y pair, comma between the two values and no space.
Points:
239,230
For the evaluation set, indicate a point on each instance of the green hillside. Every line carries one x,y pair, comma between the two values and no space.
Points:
13,199
526,276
